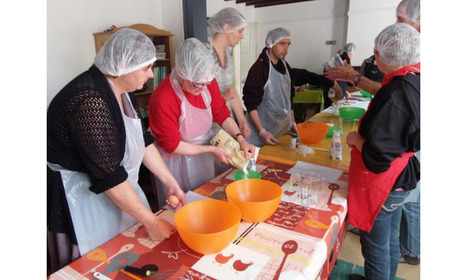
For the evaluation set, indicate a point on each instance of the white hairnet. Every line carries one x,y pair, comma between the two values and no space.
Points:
124,52
398,45
227,16
194,62
409,10
276,35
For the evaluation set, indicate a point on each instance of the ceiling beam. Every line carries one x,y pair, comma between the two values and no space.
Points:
256,2
280,2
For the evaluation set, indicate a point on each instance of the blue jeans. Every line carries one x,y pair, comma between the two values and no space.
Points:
380,246
410,229
410,223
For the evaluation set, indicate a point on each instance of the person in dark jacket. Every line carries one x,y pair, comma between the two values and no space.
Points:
268,91
383,169
95,146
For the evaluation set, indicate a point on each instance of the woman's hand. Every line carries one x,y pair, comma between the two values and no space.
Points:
354,139
247,148
179,193
158,229
229,93
220,154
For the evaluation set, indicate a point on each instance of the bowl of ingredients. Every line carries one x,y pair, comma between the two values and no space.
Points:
312,132
257,199
208,226
351,113
250,174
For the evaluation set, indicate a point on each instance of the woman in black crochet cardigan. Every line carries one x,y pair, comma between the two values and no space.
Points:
95,146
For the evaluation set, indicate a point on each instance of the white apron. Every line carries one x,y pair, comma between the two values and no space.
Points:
96,218
195,128
274,111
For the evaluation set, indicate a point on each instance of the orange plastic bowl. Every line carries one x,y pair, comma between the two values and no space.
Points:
208,226
312,132
257,199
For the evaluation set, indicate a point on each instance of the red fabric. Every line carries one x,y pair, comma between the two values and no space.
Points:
165,110
368,191
401,72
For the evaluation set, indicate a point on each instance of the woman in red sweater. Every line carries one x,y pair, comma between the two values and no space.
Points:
181,112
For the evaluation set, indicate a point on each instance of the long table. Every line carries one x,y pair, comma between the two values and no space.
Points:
256,252
284,154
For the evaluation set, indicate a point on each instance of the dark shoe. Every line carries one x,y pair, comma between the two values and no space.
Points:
356,277
409,260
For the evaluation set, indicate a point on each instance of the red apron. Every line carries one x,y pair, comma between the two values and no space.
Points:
368,191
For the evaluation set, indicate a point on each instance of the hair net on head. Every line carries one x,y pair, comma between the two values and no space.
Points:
227,16
124,52
275,36
398,45
194,62
409,10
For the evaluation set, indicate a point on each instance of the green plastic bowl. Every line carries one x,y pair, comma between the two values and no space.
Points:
351,113
240,175
331,131
366,94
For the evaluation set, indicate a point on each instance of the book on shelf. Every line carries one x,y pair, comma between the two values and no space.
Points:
160,72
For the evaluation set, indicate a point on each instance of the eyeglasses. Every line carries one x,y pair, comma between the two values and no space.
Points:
200,85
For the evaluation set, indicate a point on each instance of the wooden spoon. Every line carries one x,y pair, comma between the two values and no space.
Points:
289,247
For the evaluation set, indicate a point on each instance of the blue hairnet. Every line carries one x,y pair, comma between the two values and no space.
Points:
409,10
227,16
124,52
275,36
194,62
398,45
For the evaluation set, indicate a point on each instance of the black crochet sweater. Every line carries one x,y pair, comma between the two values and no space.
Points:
86,133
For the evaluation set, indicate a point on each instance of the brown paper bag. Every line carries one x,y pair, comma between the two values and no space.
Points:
227,142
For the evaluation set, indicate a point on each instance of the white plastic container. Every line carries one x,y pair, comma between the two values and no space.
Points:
336,145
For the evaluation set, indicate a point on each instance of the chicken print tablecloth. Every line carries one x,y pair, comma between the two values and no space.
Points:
299,241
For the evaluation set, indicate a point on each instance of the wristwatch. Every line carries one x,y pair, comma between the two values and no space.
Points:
356,79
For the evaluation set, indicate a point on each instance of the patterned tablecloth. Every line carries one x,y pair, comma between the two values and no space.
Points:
257,251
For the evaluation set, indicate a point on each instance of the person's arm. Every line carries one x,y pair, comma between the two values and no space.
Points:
266,135
231,127
125,197
240,116
154,162
346,73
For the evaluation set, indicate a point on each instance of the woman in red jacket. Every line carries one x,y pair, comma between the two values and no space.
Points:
182,111
383,169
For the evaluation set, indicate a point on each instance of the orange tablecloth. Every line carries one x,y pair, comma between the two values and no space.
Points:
256,252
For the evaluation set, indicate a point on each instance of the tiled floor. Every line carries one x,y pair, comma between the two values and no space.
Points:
351,252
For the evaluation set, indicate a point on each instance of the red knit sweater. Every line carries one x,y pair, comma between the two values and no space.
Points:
165,111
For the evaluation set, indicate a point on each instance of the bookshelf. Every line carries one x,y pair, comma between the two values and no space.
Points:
162,40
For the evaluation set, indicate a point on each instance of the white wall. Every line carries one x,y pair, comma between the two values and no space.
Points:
70,25
310,24
367,18
172,20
